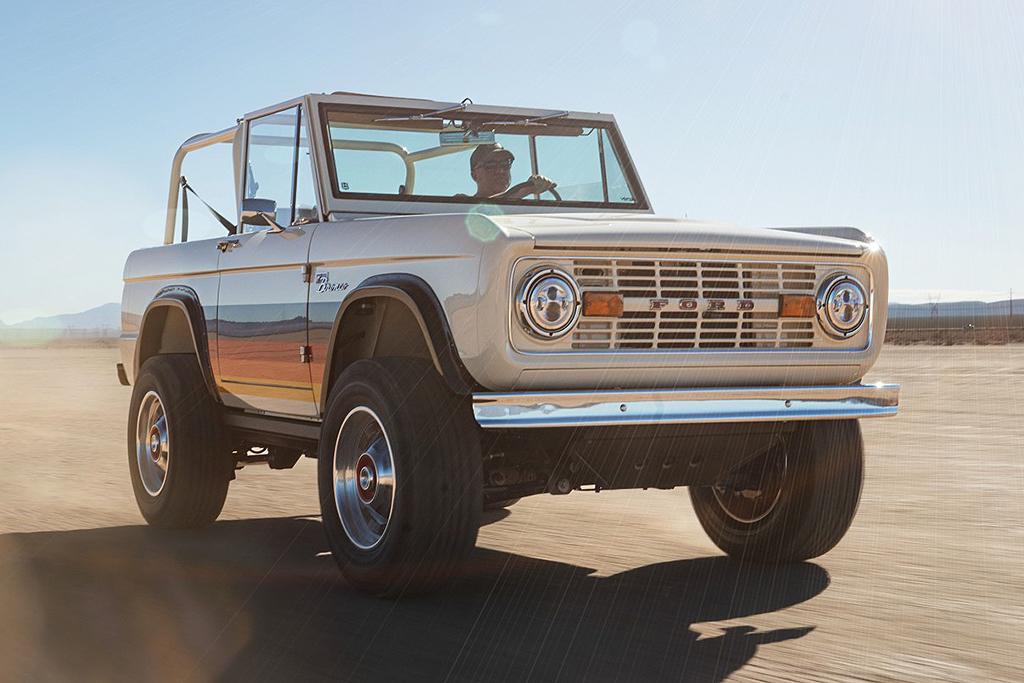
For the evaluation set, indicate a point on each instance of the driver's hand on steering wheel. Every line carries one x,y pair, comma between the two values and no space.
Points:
535,184
541,183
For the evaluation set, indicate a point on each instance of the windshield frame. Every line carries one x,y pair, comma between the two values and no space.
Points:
363,202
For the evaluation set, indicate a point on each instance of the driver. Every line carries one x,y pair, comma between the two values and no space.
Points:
491,168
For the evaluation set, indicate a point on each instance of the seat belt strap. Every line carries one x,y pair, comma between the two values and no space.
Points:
184,212
228,225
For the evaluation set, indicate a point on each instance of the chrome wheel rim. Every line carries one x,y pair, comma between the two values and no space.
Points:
364,478
755,490
152,444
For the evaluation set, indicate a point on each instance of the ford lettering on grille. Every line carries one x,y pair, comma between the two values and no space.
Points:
670,304
701,305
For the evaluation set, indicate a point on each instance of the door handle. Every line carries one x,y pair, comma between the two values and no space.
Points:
227,245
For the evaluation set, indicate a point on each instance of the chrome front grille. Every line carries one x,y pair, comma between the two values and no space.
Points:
654,292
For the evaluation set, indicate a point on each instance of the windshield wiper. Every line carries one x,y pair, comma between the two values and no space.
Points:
533,121
438,116
430,115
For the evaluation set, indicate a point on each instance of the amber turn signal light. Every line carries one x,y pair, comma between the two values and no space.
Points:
796,306
606,304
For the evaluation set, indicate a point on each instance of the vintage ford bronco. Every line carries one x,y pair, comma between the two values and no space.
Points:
452,306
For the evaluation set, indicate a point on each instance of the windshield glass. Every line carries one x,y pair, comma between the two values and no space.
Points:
499,159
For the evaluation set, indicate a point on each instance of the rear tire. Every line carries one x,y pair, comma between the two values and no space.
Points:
177,454
795,502
400,477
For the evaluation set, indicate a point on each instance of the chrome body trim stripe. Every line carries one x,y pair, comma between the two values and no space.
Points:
683,406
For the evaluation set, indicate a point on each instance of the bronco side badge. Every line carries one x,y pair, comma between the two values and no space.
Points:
324,284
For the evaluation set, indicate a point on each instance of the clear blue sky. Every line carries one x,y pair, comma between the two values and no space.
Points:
902,118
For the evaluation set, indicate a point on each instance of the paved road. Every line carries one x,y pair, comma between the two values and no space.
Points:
927,586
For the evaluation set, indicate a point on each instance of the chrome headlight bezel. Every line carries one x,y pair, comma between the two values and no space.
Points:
835,285
571,304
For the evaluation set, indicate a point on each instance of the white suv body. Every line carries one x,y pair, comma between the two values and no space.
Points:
550,324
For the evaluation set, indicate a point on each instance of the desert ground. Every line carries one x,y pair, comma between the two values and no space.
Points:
928,585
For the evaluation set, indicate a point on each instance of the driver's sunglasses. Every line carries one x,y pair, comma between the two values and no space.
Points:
502,165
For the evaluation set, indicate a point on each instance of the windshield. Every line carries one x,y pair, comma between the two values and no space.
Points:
495,158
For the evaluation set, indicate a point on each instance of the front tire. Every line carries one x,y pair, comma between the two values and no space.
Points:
177,455
791,504
400,477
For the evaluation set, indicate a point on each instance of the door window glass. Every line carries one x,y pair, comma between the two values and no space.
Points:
270,163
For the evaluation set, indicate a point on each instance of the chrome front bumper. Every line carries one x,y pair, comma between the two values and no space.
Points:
683,406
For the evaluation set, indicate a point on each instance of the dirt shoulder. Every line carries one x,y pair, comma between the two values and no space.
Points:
621,585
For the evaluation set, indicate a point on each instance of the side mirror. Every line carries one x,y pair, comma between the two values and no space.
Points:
261,212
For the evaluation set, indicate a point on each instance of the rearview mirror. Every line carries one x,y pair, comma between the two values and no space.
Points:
459,136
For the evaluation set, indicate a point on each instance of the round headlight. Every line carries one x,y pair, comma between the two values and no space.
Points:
549,302
842,306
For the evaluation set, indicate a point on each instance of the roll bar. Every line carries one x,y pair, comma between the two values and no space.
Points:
194,143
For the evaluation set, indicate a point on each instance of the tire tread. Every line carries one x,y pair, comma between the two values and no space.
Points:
826,477
439,478
201,465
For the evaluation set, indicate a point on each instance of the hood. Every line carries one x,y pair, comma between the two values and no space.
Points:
621,231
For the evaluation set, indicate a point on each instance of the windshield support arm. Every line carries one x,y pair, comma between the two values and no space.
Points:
604,170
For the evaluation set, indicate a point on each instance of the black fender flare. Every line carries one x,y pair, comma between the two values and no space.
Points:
186,300
419,297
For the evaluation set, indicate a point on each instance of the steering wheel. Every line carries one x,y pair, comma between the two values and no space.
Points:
527,184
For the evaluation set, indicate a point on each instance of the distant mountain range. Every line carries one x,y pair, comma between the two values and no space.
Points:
107,316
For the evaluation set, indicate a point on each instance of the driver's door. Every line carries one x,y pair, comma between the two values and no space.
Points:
262,305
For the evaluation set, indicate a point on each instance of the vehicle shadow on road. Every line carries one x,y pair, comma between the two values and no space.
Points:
263,599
